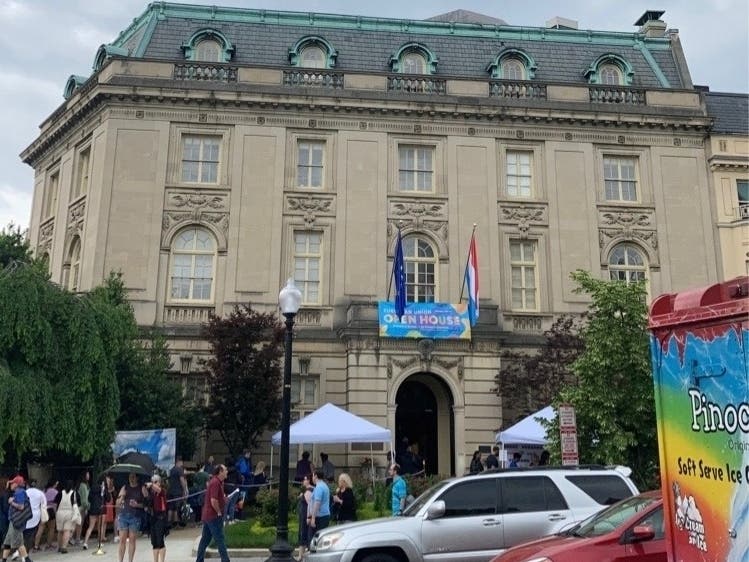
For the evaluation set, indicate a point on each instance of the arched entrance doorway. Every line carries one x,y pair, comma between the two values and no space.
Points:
424,417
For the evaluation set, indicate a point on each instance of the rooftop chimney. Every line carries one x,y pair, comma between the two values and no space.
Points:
561,23
651,24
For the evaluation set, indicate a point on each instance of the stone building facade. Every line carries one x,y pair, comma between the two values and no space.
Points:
214,152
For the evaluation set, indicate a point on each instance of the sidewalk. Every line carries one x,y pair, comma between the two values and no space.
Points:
180,547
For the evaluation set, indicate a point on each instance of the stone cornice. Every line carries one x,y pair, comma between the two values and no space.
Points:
735,162
379,112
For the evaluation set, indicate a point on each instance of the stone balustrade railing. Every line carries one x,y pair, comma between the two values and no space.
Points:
417,85
185,314
205,71
313,79
517,90
616,94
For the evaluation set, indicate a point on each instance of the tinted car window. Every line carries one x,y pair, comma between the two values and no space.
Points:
604,489
478,497
530,493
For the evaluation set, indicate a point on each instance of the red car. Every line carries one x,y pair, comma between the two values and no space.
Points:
631,530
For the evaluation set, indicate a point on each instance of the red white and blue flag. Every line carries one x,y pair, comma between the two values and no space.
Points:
472,281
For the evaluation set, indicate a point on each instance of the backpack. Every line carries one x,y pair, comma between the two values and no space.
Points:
19,517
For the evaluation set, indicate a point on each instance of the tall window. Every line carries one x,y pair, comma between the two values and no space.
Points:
416,168
312,57
200,156
610,75
192,265
307,258
620,178
208,50
742,189
50,195
519,175
82,172
304,391
421,266
513,69
75,265
524,269
309,168
414,63
626,264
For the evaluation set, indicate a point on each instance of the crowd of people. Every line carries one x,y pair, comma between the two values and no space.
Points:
516,461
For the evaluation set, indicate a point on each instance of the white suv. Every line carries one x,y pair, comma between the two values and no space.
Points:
473,518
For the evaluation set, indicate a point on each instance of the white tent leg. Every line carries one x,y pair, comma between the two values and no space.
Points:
271,461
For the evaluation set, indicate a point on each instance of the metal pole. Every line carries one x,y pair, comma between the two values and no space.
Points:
281,549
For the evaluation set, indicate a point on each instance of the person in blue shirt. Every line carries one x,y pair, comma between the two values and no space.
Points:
244,467
318,516
13,536
515,460
399,490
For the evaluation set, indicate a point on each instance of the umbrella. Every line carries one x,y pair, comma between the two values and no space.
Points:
126,468
141,459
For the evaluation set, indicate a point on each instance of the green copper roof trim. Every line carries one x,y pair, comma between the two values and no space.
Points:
592,73
107,51
295,52
146,38
495,67
653,65
74,82
430,59
189,47
165,10
134,27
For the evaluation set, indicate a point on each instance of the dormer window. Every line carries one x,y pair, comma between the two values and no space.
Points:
414,58
610,70
512,64
208,45
312,52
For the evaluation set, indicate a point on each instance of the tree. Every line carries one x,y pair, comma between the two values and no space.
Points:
14,247
244,376
613,389
531,381
149,399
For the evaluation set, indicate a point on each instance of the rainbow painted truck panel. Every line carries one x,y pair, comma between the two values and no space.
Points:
699,347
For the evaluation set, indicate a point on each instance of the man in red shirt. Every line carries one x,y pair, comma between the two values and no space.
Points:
213,515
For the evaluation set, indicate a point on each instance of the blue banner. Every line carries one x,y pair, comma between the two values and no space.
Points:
437,320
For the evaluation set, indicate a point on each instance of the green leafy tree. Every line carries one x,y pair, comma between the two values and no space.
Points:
613,391
149,399
528,382
14,247
244,376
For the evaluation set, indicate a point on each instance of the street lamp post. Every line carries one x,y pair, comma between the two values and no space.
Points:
289,301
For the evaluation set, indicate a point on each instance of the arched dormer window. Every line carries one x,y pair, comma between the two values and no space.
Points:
610,69
627,263
73,83
192,265
208,45
414,58
512,64
312,52
106,52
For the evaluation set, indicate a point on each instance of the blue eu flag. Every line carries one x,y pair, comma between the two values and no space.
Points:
399,272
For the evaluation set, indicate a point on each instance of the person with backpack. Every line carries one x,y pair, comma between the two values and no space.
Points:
19,513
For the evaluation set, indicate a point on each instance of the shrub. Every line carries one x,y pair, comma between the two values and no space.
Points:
267,505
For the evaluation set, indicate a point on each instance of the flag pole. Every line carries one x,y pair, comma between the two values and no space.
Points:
468,257
392,272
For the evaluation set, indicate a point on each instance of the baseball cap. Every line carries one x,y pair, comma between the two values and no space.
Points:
18,480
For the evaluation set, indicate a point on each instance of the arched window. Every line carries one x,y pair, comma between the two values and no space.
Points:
626,263
610,75
513,69
192,267
75,264
312,57
208,50
414,63
421,269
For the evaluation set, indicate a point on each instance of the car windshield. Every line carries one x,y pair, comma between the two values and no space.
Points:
423,498
612,517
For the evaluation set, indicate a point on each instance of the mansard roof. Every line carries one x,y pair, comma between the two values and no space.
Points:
366,44
730,112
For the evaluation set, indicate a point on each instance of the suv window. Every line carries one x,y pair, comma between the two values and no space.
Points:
477,497
530,493
604,489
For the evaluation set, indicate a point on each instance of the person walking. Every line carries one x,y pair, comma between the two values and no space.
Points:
303,504
177,491
17,500
318,516
476,464
68,503
157,496
345,500
95,511
244,468
131,501
399,490
5,495
213,516
83,493
492,460
35,528
50,493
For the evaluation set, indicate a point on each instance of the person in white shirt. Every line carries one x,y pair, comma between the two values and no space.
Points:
31,534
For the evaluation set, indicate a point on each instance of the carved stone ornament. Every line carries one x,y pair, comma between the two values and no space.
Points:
523,216
450,365
623,225
625,219
171,220
418,211
310,207
75,214
438,228
196,201
46,231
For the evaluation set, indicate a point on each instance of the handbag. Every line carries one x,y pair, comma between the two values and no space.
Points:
19,517
77,519
44,515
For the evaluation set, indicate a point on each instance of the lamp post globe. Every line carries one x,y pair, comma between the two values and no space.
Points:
289,301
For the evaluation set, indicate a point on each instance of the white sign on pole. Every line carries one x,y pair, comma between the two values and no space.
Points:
568,435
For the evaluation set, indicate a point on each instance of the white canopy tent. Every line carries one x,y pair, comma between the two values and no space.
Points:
527,431
331,424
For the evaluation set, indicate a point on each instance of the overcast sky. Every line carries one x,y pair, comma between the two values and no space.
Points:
45,41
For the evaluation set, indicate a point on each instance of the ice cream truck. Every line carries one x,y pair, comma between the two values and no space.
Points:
699,348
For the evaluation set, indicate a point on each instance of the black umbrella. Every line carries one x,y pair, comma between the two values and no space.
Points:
126,468
141,459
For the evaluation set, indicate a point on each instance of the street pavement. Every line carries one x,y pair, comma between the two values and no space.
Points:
180,547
